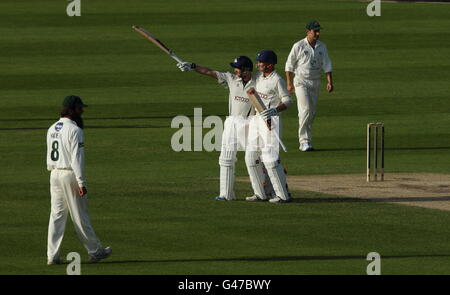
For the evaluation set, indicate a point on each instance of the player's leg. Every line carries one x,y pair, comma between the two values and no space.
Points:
314,97
257,178
78,208
227,162
253,162
278,178
270,157
305,114
268,187
58,218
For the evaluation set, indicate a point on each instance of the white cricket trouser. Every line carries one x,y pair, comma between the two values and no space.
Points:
234,138
65,199
263,144
307,93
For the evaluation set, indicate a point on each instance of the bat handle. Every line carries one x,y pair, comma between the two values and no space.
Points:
173,55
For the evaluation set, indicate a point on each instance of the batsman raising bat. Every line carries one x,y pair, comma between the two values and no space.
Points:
235,131
236,125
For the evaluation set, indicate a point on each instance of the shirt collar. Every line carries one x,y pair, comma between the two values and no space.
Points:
270,75
67,120
318,43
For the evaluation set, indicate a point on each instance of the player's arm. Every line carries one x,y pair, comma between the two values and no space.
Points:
290,81
206,71
328,68
282,107
189,66
77,151
330,86
286,101
50,163
284,95
291,63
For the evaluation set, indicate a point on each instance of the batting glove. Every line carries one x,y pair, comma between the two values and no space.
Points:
269,113
186,66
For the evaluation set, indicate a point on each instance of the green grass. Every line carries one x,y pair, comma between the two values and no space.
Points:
154,206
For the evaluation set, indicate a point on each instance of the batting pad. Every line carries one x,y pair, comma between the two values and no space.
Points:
255,171
227,161
278,179
227,182
268,187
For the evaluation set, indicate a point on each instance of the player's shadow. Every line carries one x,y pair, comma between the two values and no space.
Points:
350,149
328,200
370,199
274,258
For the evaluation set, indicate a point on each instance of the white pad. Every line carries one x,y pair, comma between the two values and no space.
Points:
278,179
227,182
255,171
268,187
227,161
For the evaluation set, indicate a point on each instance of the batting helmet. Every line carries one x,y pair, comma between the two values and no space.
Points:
267,56
243,63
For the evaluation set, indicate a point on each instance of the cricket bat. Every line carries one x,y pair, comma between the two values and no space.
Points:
259,105
157,42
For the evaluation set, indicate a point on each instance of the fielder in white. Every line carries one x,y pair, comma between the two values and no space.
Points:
65,160
234,137
262,141
307,58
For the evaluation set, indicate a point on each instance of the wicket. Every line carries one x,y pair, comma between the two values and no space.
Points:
375,144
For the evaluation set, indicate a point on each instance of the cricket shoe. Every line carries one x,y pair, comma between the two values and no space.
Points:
306,147
280,200
255,198
54,261
100,254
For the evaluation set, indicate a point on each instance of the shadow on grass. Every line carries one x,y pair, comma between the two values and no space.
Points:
387,149
275,258
358,200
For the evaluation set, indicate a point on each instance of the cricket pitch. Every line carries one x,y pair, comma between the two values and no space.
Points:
428,190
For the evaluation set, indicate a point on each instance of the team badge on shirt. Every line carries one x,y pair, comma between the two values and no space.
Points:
59,126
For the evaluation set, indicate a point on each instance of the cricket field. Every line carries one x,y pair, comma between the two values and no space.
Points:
156,206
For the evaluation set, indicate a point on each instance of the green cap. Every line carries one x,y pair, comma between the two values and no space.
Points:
313,25
73,101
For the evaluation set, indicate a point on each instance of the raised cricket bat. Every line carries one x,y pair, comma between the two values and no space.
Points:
157,42
259,105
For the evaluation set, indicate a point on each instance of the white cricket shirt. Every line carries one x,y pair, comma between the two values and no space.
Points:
306,61
272,89
239,104
65,148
